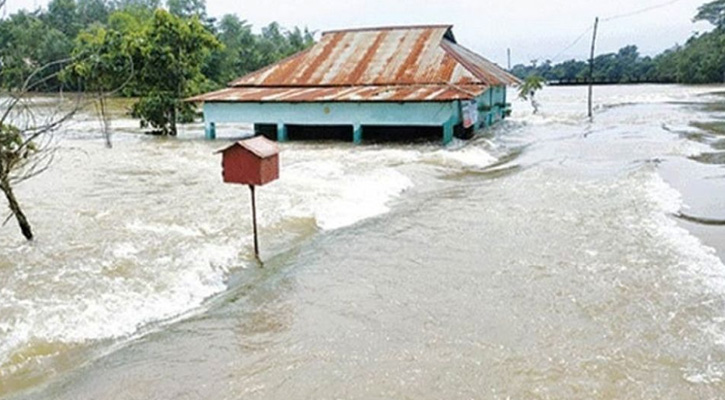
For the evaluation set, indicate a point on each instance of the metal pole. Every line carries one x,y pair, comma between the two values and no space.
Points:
254,222
591,65
508,55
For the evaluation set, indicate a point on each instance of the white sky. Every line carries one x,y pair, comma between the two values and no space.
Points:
532,29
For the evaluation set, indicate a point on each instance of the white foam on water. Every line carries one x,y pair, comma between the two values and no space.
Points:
340,187
710,376
155,269
114,291
338,197
695,258
362,197
466,156
712,372
142,227
101,300
698,265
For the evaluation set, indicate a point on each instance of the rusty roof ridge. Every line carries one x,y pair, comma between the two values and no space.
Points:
447,46
390,28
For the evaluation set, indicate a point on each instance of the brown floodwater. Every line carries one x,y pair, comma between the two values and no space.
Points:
550,258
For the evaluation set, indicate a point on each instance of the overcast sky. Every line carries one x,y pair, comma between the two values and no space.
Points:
532,29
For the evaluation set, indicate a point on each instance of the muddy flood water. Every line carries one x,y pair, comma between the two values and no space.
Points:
550,258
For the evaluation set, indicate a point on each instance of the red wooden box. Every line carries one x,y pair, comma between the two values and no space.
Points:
252,161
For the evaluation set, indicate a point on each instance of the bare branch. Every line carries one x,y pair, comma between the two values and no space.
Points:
9,217
100,103
28,85
27,124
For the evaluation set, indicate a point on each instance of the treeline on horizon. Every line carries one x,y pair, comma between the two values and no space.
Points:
700,60
46,41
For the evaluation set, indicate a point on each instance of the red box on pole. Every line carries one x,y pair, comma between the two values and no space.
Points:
252,161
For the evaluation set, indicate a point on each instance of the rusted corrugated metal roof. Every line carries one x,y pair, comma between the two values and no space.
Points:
389,93
486,71
414,63
382,56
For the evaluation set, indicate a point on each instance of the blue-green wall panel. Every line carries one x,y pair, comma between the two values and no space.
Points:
491,105
333,113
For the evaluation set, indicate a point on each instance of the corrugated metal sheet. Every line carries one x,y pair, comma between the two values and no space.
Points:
486,71
390,93
381,56
415,63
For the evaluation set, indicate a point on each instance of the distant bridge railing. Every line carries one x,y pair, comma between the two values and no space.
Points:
585,81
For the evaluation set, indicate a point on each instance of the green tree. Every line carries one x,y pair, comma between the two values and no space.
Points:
124,5
187,8
92,11
527,91
712,12
238,55
168,63
103,66
702,59
62,15
27,43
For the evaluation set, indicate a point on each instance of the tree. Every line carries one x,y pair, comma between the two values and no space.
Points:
62,15
13,153
187,8
89,12
135,4
168,63
238,54
26,140
665,65
712,12
528,90
27,43
103,66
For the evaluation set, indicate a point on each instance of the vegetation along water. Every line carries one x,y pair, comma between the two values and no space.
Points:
700,60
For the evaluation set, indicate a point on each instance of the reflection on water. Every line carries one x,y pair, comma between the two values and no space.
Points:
541,260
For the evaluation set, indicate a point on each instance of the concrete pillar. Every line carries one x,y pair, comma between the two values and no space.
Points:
210,130
281,132
448,131
357,133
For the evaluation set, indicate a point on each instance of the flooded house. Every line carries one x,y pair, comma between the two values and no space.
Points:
366,84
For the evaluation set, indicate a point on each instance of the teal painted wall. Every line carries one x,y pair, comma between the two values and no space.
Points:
421,114
492,106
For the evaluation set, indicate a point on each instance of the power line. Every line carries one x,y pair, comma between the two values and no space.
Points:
574,43
640,11
613,18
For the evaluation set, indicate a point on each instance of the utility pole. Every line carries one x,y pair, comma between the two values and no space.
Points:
591,66
508,54
254,222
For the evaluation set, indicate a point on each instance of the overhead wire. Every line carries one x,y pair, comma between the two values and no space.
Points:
613,18
640,11
574,43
